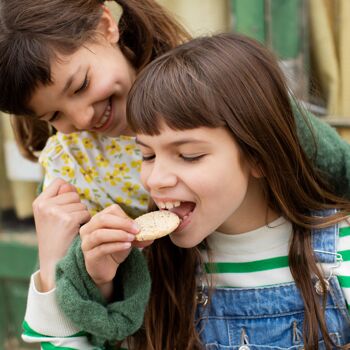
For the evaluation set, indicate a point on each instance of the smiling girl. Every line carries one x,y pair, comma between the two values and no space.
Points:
261,259
66,69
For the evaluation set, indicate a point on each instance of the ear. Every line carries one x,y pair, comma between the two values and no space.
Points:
108,26
256,171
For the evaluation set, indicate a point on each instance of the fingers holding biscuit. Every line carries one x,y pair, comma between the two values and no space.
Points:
107,219
156,224
105,236
106,242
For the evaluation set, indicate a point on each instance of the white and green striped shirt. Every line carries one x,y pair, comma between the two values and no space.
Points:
253,259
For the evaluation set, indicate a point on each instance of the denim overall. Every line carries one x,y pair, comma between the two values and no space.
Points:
272,317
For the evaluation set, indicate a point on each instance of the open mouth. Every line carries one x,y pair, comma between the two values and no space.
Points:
183,210
104,121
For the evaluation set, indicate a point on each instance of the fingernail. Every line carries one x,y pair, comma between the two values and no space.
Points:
127,245
130,237
135,228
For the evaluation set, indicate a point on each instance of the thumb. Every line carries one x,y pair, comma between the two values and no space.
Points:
65,188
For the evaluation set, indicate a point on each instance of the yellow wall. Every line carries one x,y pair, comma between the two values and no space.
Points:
200,16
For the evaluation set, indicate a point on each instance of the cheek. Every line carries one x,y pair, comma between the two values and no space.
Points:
144,175
221,188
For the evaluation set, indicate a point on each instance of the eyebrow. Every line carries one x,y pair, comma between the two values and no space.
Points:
175,143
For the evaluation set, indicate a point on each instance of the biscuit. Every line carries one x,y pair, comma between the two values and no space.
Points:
156,224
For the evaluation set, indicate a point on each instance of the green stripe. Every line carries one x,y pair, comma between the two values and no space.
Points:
31,333
252,266
345,254
49,346
344,231
344,281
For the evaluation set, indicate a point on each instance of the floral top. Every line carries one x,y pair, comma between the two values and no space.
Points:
104,170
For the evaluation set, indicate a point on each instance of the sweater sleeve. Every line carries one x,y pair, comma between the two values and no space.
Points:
82,302
326,149
46,324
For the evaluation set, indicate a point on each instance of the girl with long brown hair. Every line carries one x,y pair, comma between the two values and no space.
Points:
261,257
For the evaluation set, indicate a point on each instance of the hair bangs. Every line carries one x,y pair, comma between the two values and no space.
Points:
30,39
173,93
23,67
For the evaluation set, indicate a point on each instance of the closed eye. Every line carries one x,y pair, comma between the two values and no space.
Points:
83,86
192,158
148,158
54,117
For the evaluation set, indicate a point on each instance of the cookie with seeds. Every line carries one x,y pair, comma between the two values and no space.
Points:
156,224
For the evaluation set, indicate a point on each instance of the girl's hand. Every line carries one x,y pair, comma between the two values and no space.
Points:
106,242
58,214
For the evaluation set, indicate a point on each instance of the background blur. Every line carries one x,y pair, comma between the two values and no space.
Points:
309,38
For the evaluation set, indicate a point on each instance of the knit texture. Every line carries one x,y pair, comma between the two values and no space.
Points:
329,153
83,303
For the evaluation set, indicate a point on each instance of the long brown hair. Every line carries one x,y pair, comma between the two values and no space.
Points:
33,32
232,81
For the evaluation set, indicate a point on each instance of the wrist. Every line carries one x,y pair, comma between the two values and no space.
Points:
47,276
47,281
106,290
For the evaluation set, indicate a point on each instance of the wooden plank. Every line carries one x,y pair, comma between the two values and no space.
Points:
249,18
17,260
286,27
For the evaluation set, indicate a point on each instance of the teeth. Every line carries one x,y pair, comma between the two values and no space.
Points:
104,117
168,205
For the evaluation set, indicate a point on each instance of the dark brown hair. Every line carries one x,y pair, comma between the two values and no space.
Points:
232,81
33,32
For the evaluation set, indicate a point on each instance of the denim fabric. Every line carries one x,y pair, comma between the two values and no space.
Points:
272,317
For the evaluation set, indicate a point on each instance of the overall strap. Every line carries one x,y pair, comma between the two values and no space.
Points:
324,240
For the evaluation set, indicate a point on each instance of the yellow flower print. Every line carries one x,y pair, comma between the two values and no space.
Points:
58,149
129,149
71,139
81,158
136,164
102,161
87,143
93,211
44,164
95,208
89,173
112,178
65,157
121,200
126,138
121,168
143,199
113,147
130,189
84,193
67,171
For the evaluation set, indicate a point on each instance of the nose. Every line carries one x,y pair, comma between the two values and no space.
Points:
158,175
80,117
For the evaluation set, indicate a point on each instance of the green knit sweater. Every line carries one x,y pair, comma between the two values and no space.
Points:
83,304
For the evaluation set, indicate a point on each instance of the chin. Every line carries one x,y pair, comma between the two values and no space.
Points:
182,242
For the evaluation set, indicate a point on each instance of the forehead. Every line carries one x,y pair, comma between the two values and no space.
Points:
169,137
